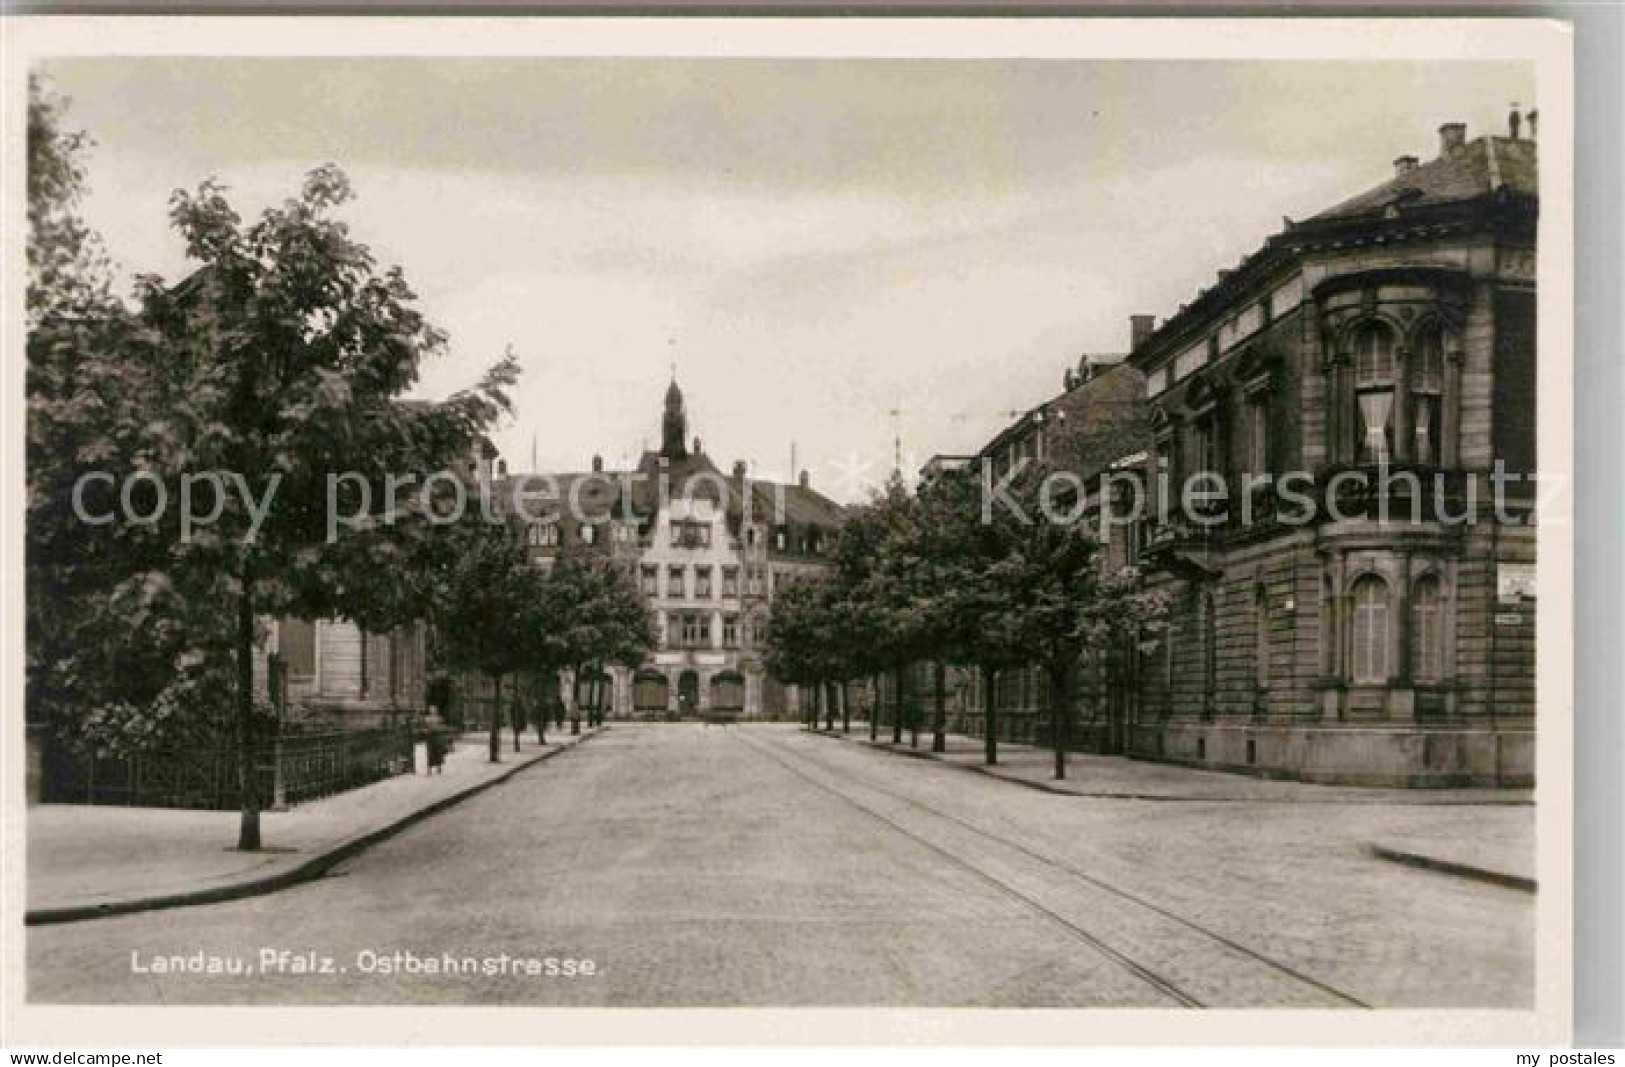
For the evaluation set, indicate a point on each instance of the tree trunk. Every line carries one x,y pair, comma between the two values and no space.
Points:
846,707
576,693
541,723
913,721
829,706
496,719
248,830
990,717
897,706
1060,712
874,708
939,734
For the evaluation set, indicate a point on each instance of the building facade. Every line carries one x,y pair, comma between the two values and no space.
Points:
1336,494
708,550
1362,609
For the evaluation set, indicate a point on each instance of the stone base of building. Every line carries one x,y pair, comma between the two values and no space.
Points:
1392,755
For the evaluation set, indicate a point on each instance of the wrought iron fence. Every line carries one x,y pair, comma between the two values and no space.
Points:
294,767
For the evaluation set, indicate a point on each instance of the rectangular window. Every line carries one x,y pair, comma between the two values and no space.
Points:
1201,447
754,581
674,581
651,580
697,630
1258,416
730,631
296,644
730,581
702,582
686,534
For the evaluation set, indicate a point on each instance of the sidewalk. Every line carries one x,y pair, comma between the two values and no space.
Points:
1119,777
85,861
1485,835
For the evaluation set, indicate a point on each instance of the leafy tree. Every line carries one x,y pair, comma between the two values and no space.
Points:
861,640
801,647
490,603
68,269
595,618
119,657
960,608
277,363
1023,576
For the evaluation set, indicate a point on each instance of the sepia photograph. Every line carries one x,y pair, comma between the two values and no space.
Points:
1041,518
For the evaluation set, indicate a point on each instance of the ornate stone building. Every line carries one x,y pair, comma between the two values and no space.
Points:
708,549
1371,619
1352,594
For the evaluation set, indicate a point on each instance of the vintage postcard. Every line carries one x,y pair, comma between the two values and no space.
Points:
870,525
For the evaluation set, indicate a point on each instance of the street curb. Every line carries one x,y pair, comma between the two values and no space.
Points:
1425,862
926,754
1162,798
311,868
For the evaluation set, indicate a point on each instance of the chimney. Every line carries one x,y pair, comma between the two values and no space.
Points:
1452,135
1139,328
1404,165
804,480
502,468
1514,122
739,469
597,464
697,449
1533,117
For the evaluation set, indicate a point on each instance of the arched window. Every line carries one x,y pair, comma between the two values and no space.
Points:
1427,392
1373,351
1427,629
1370,635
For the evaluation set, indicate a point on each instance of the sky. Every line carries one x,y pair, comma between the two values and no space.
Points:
835,255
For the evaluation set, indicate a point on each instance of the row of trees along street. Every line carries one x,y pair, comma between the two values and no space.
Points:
499,615
285,354
929,576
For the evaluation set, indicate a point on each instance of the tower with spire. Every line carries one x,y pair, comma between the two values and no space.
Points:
674,424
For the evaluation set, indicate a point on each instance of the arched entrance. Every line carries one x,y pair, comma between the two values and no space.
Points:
688,692
728,691
651,692
593,693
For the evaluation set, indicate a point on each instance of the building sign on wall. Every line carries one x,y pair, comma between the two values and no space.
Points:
1515,582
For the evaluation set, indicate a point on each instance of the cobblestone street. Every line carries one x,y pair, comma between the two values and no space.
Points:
763,865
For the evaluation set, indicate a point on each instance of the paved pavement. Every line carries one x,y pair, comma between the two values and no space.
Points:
761,865
84,858
1111,776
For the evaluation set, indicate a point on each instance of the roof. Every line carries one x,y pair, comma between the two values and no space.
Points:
1445,190
600,493
1111,385
1478,168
